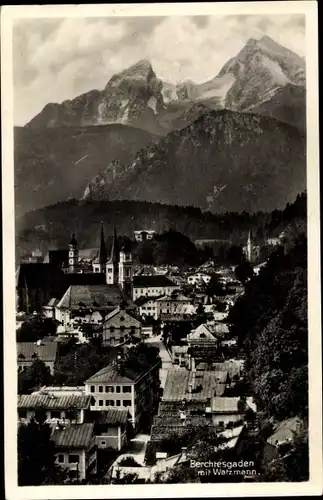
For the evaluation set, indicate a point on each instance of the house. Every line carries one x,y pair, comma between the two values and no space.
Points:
49,309
118,326
226,411
174,304
152,286
90,303
205,335
135,388
76,449
28,352
192,385
111,429
144,235
283,434
147,307
198,278
273,242
58,408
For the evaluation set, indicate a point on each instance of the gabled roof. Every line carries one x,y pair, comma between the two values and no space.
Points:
95,297
122,312
73,436
113,374
29,351
152,281
52,303
55,402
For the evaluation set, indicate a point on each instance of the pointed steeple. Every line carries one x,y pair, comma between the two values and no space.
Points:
102,256
114,257
73,240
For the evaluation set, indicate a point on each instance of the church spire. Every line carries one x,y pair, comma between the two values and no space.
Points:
73,241
114,257
103,256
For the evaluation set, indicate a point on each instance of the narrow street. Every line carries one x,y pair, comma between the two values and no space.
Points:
156,341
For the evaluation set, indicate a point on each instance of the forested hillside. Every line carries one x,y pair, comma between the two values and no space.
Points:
51,226
270,321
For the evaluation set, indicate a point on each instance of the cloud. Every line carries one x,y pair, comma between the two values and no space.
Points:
58,59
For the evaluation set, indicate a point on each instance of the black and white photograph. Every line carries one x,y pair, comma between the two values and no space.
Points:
161,250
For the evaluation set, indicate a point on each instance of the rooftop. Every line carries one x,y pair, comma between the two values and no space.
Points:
93,297
284,430
225,405
113,374
178,380
29,351
113,416
73,436
56,402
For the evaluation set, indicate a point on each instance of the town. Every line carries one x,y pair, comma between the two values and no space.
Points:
135,371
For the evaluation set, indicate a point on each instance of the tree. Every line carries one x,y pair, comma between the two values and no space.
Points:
244,271
36,456
214,286
33,377
36,328
82,362
129,461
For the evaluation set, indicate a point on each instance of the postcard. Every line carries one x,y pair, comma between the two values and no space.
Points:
161,214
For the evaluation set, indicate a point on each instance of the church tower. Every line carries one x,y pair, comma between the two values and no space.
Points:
73,254
112,267
99,263
126,272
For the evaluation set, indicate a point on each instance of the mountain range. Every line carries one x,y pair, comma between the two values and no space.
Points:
255,80
223,161
235,142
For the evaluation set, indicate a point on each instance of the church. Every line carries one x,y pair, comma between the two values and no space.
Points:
108,284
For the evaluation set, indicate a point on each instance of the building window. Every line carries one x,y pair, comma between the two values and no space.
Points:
112,329
126,402
100,388
22,413
109,270
109,402
71,415
103,443
122,327
121,318
72,474
73,459
118,388
100,402
109,388
118,402
126,388
92,388
60,458
55,414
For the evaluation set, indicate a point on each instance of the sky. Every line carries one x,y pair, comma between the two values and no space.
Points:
59,59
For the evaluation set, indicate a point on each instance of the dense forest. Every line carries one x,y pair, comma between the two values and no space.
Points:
51,227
